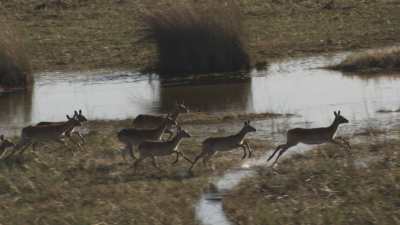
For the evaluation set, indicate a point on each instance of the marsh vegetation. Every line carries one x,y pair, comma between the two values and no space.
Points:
15,70
371,61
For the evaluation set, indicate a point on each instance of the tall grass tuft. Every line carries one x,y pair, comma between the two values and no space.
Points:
15,70
197,38
386,59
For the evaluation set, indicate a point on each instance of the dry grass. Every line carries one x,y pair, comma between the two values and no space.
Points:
193,38
96,186
103,34
326,186
15,70
377,60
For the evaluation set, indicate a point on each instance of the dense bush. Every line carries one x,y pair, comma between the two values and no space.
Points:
197,39
15,71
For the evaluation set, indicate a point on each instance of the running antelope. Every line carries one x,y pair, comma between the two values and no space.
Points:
159,148
133,136
79,116
152,121
311,136
44,133
4,144
213,144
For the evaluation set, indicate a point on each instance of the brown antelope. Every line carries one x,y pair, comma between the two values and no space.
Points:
152,121
213,144
36,134
4,144
133,136
311,136
162,148
72,130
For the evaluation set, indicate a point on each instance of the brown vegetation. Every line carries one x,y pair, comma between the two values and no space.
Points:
325,186
377,60
197,39
76,34
15,71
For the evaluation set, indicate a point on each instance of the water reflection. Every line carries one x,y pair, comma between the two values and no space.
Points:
222,96
15,109
293,86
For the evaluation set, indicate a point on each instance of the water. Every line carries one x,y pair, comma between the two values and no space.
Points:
289,86
292,86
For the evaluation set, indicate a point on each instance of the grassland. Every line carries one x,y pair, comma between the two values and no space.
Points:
96,186
77,34
325,186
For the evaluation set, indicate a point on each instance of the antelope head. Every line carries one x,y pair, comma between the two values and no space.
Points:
339,118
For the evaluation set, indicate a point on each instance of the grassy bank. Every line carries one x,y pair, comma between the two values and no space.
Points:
371,61
100,34
325,186
96,186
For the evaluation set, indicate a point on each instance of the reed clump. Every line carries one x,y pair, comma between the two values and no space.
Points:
377,60
196,38
15,70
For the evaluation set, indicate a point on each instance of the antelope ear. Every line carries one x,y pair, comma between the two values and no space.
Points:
69,118
80,112
75,113
335,113
339,112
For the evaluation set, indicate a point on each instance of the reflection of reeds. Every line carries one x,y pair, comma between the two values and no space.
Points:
15,71
197,39
386,59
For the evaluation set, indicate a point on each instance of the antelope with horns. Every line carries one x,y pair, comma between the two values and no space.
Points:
44,133
72,130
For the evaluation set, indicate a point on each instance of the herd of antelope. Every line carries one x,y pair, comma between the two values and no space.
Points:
146,137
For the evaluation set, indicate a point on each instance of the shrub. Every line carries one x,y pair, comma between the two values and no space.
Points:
386,59
15,71
196,39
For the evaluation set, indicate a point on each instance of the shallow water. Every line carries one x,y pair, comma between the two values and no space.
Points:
289,86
